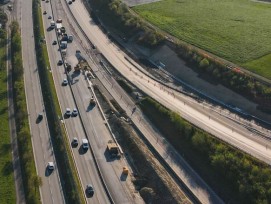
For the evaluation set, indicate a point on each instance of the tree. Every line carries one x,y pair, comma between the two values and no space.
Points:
204,63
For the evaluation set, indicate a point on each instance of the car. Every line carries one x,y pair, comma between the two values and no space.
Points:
49,17
68,112
73,0
75,141
85,144
51,166
93,46
44,12
54,42
65,82
60,62
40,116
78,51
90,189
70,2
47,1
75,112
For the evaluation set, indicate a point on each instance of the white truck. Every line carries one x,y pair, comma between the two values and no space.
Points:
53,24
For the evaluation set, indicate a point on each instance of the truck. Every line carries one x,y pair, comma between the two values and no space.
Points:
58,28
59,20
92,101
113,149
52,24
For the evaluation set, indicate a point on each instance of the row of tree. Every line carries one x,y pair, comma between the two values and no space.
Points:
117,14
31,180
234,175
232,78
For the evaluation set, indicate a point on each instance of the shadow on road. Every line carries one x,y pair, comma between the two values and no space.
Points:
90,107
48,172
123,177
81,150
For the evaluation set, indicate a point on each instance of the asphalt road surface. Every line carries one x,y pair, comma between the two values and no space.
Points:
97,138
51,191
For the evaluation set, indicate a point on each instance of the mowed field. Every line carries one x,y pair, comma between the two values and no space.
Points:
237,30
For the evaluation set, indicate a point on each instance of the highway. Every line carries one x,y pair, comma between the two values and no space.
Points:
93,126
203,116
210,121
51,190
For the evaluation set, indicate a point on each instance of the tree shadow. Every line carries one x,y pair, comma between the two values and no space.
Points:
3,110
7,168
5,148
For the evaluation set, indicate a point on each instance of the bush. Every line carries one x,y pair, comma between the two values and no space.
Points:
235,175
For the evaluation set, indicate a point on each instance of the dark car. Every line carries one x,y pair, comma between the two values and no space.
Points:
70,2
90,189
54,42
60,62
40,116
75,142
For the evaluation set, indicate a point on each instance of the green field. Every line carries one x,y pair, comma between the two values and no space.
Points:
7,188
237,30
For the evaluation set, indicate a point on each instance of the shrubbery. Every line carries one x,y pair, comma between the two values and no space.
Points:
29,174
236,176
232,78
118,14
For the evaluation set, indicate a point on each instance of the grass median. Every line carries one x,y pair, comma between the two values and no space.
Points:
69,179
7,188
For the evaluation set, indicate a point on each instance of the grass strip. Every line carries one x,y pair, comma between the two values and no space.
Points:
234,175
29,175
69,179
7,188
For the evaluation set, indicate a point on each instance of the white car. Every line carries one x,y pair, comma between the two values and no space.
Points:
75,112
85,144
65,82
68,112
51,166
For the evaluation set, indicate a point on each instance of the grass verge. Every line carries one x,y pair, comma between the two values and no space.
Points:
69,179
7,188
234,175
29,175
